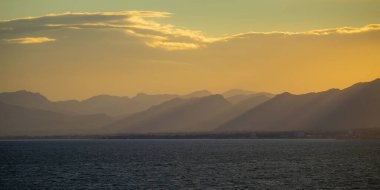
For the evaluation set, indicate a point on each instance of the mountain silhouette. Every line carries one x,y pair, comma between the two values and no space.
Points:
177,115
198,94
21,121
355,107
26,99
110,105
237,98
236,92
236,109
24,113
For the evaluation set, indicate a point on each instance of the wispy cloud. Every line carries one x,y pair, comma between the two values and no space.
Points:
134,23
30,40
172,46
318,32
139,24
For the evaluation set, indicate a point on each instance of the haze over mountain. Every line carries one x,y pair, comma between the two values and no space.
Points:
106,104
355,107
197,94
26,113
177,115
27,99
184,115
236,92
21,121
236,98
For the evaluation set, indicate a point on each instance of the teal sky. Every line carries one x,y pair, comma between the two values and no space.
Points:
218,17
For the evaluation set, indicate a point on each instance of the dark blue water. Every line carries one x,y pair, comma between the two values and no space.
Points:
199,164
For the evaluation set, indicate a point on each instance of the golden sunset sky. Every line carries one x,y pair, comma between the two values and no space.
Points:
70,49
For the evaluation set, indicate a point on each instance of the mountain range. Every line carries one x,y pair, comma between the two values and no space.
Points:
355,107
24,113
21,121
106,104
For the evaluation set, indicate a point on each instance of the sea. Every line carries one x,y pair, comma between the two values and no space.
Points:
189,164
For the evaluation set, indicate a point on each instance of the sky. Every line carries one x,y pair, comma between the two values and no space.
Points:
70,49
219,17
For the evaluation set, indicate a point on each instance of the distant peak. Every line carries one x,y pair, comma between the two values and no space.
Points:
105,97
22,91
197,94
359,85
284,94
142,95
235,92
376,81
212,98
23,96
333,90
25,93
108,96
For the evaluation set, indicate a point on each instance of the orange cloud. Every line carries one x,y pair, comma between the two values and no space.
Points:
30,40
137,24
